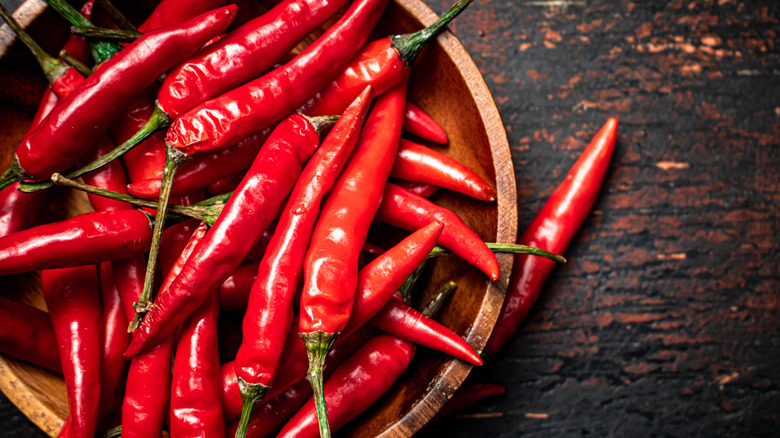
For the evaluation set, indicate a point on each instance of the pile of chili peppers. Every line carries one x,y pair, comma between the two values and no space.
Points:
301,154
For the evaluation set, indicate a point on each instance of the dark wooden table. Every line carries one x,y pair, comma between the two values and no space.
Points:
665,320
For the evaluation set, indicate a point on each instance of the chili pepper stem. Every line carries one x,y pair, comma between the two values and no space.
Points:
157,121
115,15
251,394
101,50
51,66
173,159
506,248
75,63
105,34
321,122
409,45
434,305
406,288
318,344
113,433
13,174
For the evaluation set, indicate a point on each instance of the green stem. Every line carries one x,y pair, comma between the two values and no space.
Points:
506,247
13,174
409,45
75,63
318,344
105,34
101,50
113,433
251,394
434,305
406,289
157,121
173,160
321,122
115,15
51,66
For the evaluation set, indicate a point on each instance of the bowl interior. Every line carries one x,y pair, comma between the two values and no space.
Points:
447,85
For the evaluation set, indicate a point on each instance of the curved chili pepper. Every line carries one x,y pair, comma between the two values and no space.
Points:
249,211
417,188
85,239
27,334
269,313
355,385
416,162
405,210
71,129
381,64
110,177
115,336
174,12
149,378
468,395
419,123
552,230
331,263
73,300
196,408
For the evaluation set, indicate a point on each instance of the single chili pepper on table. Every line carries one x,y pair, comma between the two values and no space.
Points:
243,219
27,334
270,310
70,130
405,210
331,263
84,239
418,123
552,230
381,64
196,408
73,300
416,162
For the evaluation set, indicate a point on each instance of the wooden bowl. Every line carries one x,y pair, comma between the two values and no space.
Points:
445,83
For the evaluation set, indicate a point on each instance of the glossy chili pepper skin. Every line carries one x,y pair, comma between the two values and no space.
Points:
204,169
405,210
174,12
246,215
234,292
270,311
416,162
27,334
86,114
552,230
403,321
419,123
18,210
73,299
81,240
224,120
196,408
243,54
419,189
355,385
110,177
115,336
225,185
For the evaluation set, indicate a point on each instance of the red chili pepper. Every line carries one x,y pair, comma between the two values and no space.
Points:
552,230
242,221
331,263
418,123
270,310
18,210
405,210
204,169
234,292
110,177
419,189
469,395
226,184
416,162
77,46
115,336
85,239
381,64
196,408
355,385
174,12
27,334
149,379
86,114
73,300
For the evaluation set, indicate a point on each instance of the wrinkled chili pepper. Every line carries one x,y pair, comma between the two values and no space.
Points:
84,239
419,123
249,211
416,162
115,336
419,189
552,229
405,210
86,113
196,408
331,263
381,64
355,385
27,334
73,299
270,310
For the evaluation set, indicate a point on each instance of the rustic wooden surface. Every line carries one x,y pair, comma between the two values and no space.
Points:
665,320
